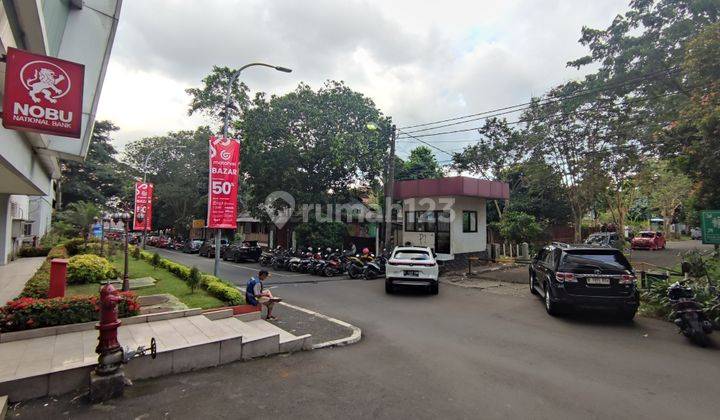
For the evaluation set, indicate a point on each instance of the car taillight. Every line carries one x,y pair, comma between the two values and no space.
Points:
565,277
627,279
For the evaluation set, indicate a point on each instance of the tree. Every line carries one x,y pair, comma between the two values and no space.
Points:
82,215
519,227
667,190
178,168
101,178
696,130
209,100
499,147
321,235
536,189
421,164
314,145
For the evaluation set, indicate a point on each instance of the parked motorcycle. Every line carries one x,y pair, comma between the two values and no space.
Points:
689,315
375,268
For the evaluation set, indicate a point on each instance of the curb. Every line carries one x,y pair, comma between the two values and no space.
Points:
351,339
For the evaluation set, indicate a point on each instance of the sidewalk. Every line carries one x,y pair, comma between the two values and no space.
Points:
13,276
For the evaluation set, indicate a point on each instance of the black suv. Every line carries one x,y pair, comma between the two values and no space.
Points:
568,276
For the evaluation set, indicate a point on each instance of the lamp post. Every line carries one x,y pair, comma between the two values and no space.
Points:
226,124
125,217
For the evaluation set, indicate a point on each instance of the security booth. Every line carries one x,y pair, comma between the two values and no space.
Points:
447,214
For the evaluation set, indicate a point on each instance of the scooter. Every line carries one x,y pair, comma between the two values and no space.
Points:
375,268
689,315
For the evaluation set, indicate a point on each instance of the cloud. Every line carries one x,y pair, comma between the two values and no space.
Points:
419,61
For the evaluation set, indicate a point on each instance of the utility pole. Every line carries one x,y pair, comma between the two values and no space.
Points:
389,189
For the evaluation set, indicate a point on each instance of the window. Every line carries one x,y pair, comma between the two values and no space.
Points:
27,229
412,255
469,221
410,221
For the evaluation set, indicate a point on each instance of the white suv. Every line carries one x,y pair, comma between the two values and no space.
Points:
411,266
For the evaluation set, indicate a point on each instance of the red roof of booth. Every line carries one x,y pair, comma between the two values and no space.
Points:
457,185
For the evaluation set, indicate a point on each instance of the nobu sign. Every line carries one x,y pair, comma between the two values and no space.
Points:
223,183
43,94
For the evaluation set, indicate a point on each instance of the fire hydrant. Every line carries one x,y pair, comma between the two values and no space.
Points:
108,379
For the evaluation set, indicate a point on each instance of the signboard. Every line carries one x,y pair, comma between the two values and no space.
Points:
198,224
710,225
42,94
97,230
143,206
223,183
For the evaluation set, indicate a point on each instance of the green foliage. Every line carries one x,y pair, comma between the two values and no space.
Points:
209,100
667,190
313,144
136,252
39,283
499,147
519,227
26,312
321,234
89,268
28,251
194,278
80,214
101,177
222,290
155,261
421,164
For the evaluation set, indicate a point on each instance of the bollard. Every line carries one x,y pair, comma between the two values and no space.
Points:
58,273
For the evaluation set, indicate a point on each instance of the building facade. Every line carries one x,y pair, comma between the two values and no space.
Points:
80,31
447,214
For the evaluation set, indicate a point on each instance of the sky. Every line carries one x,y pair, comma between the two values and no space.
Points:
420,61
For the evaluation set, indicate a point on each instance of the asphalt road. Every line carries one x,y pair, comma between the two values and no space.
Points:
463,354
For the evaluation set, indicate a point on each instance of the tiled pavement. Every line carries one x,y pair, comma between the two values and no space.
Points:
13,276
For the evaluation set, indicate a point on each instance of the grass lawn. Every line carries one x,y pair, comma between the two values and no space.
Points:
166,282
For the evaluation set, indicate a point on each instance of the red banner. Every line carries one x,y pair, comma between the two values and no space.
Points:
223,183
143,206
43,94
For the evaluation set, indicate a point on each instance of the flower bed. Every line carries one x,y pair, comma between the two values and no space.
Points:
39,283
26,313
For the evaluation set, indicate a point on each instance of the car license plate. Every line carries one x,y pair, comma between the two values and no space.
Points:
411,273
603,281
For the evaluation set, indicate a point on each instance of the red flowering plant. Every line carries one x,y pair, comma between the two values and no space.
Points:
25,313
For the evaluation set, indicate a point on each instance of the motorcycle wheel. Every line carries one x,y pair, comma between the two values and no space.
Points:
352,273
697,335
369,274
329,272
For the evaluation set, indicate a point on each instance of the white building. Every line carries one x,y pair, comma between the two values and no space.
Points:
81,31
447,214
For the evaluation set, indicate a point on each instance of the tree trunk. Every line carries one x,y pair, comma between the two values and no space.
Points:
497,207
578,228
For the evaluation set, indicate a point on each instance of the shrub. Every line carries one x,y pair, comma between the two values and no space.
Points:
194,278
74,246
136,252
155,261
39,283
89,268
221,290
25,313
28,251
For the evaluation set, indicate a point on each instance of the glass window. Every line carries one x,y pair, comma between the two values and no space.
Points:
412,255
27,229
594,259
469,221
443,221
425,221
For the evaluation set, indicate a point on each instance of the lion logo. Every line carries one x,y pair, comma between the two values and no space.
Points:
44,80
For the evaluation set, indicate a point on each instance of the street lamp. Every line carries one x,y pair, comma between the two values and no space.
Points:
226,124
125,217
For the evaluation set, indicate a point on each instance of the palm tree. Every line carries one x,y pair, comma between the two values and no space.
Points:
82,215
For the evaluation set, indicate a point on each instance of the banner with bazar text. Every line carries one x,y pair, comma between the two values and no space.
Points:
142,219
223,183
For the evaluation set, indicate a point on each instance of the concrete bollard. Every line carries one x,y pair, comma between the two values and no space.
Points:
58,274
525,251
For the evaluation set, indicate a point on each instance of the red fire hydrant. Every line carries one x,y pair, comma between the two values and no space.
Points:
110,351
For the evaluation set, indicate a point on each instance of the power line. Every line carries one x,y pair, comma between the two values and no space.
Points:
523,120
522,106
424,142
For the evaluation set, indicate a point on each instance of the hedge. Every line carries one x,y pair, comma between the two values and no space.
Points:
26,313
214,286
39,283
28,251
90,268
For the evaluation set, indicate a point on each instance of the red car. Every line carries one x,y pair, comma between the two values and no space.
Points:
648,240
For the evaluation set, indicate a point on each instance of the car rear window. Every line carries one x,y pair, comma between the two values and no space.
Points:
412,255
595,259
647,234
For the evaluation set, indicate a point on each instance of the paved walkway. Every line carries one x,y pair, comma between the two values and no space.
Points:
13,276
